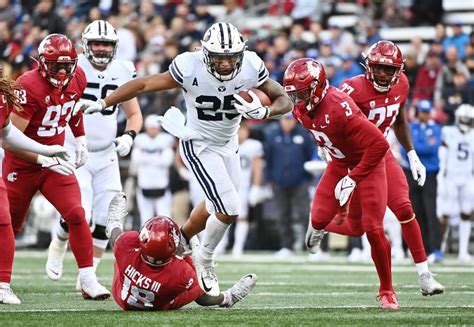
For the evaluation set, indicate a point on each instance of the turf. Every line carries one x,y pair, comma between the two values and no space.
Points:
288,293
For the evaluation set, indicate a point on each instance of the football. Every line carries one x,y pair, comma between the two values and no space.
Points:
264,99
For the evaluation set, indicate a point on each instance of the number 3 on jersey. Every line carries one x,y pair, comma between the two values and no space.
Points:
323,138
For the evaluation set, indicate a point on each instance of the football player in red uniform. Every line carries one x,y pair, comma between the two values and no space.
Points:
15,139
358,150
381,94
148,275
47,97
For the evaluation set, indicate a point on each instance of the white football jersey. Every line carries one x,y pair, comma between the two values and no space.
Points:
460,151
210,102
249,150
153,157
101,128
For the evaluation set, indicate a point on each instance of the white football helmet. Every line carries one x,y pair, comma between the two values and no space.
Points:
223,41
464,117
100,31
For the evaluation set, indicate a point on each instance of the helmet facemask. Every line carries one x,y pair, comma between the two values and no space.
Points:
100,31
383,76
214,60
99,57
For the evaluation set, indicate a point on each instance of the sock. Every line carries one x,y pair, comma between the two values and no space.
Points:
366,248
464,234
227,298
87,273
214,232
96,261
422,267
380,250
7,246
412,235
4,284
80,241
240,235
222,245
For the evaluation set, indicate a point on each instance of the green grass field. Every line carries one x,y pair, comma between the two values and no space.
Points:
288,293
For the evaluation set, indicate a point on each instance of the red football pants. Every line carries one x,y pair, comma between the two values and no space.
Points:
63,193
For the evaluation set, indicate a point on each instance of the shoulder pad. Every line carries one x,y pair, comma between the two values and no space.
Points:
258,65
182,66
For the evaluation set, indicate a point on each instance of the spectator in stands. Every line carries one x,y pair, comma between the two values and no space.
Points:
455,95
287,148
349,68
45,17
418,48
445,76
147,11
205,19
426,12
326,54
7,13
411,70
342,41
426,78
426,136
459,39
233,14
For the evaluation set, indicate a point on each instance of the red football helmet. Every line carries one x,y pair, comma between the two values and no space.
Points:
57,59
305,82
159,238
383,65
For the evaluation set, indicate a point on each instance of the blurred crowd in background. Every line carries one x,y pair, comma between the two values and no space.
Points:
436,37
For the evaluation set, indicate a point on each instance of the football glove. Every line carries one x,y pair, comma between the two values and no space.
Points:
56,164
251,110
417,169
123,144
81,151
173,122
88,106
344,189
56,151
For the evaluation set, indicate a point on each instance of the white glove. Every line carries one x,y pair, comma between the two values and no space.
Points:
56,164
256,195
323,154
251,110
81,151
88,106
344,189
173,122
56,151
417,169
123,144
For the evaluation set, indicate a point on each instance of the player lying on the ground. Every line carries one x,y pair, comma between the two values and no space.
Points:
149,275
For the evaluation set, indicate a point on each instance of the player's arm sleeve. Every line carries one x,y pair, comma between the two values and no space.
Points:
363,132
76,123
259,66
181,67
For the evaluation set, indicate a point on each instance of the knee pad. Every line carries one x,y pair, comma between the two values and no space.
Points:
99,233
404,212
75,216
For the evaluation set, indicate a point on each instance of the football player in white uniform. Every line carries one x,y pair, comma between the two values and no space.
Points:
99,177
455,177
210,79
152,157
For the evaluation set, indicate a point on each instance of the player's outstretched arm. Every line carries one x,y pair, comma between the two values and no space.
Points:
141,85
281,103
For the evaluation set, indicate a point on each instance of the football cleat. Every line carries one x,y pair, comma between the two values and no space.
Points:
429,285
313,238
7,296
388,300
117,212
54,264
240,290
207,277
92,290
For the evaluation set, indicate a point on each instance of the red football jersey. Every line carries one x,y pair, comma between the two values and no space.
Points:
340,126
139,286
47,109
380,108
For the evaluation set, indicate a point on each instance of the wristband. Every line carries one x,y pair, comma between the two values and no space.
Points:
131,133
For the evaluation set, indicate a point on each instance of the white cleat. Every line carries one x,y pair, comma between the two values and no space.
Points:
54,264
92,290
240,290
313,238
207,277
117,212
7,296
429,285
465,258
